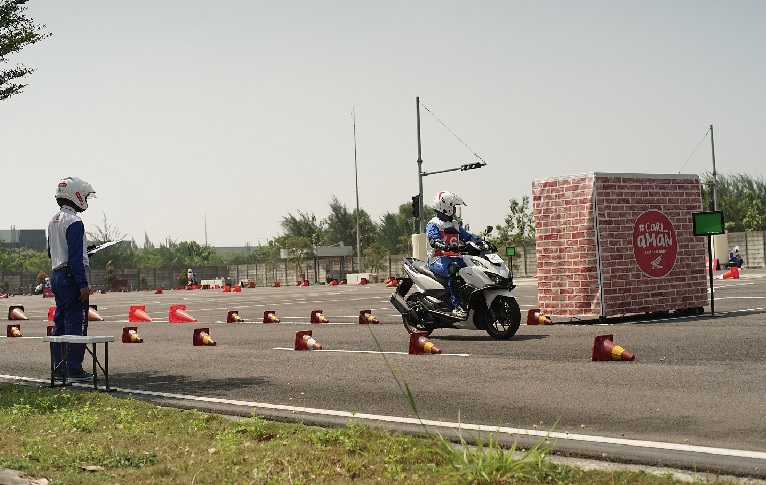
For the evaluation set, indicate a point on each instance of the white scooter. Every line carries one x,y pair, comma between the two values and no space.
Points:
484,286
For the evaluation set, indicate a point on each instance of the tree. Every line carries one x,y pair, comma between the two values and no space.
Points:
395,229
121,255
519,226
16,32
742,199
298,249
340,226
304,225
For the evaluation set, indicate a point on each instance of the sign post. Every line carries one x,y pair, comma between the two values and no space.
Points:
709,224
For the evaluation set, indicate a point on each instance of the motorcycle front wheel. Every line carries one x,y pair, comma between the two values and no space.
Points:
503,318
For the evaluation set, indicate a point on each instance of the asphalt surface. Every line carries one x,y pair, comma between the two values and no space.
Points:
693,398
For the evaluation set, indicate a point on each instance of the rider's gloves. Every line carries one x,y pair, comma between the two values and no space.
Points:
436,244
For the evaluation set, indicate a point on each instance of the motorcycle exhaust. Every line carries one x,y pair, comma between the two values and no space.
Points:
399,303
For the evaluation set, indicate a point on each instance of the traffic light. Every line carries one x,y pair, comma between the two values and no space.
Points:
416,206
471,166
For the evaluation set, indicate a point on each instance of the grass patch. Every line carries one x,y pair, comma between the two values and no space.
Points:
53,433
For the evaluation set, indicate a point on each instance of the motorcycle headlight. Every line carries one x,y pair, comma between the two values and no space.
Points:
496,278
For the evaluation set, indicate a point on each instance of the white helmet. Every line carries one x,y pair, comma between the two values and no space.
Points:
736,249
445,202
75,190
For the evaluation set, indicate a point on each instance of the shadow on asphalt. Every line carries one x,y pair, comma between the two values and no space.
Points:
178,384
482,338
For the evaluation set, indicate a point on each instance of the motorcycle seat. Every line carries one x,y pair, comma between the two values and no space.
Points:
422,268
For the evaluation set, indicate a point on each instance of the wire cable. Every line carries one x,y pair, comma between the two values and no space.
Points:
453,134
695,150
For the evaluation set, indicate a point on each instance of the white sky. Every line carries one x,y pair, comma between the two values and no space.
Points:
238,112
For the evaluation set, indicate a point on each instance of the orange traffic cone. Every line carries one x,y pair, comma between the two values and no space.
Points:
304,341
270,316
177,314
237,289
317,317
733,273
276,284
390,281
536,317
93,315
233,317
362,281
13,330
419,344
51,313
605,349
158,291
137,313
202,337
226,289
334,282
365,316
130,336
16,312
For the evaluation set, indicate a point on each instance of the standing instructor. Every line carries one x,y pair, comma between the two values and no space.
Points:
68,250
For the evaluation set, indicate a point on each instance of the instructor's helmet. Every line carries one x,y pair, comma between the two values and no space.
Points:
75,190
445,202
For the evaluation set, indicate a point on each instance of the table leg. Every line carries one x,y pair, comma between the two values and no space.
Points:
95,368
106,365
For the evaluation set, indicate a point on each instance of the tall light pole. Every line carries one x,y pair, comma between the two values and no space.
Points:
356,184
715,190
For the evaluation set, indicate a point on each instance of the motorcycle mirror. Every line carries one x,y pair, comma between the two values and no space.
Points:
488,230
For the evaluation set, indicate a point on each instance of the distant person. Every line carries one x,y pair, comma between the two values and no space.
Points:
735,259
67,248
191,277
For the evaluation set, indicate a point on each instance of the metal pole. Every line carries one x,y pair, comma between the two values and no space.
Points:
421,227
715,190
356,182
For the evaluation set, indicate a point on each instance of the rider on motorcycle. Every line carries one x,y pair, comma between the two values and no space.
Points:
444,236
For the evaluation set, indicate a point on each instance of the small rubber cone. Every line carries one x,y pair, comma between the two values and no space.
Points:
536,317
49,330
93,315
202,337
419,344
276,284
363,281
365,316
237,289
233,317
270,316
137,313
733,273
177,314
304,341
51,313
334,282
158,291
226,289
130,336
16,312
318,317
604,348
13,331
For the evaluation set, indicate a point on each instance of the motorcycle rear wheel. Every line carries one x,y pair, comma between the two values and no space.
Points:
503,318
414,324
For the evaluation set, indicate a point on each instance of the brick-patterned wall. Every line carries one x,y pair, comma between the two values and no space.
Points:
587,266
565,232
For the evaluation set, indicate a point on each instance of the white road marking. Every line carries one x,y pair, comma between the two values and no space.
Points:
365,352
658,445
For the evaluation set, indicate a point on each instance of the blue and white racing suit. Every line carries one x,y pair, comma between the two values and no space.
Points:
449,233
67,248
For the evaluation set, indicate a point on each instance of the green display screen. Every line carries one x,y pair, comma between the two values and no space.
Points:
708,223
510,251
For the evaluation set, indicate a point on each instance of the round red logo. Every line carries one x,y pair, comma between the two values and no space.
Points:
654,243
